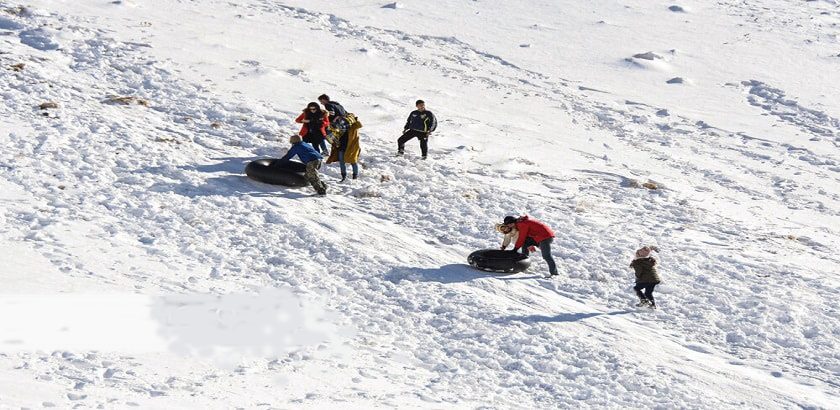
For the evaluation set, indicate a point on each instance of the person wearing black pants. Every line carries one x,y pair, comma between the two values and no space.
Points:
545,250
647,276
645,298
533,233
420,124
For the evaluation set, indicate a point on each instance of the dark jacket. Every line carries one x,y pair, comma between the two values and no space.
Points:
336,109
646,271
304,151
421,121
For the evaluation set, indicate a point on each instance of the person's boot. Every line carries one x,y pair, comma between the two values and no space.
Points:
355,176
642,299
651,304
343,177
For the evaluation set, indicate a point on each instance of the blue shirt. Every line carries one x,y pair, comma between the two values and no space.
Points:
304,151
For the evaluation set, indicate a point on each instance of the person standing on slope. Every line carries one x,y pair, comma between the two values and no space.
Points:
533,233
420,124
647,275
314,130
311,158
346,148
333,108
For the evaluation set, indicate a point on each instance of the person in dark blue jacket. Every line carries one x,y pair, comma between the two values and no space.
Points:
309,156
334,108
420,124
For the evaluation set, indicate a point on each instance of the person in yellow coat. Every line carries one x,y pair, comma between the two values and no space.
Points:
344,133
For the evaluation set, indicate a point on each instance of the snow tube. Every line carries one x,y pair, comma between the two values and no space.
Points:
495,260
276,172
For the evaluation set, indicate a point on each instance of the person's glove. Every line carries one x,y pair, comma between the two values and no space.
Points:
503,247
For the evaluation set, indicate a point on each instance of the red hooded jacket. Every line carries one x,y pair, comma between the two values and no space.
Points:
532,228
305,128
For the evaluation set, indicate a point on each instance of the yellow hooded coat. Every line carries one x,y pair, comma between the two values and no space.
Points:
351,154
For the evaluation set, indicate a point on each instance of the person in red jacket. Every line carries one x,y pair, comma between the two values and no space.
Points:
533,233
314,130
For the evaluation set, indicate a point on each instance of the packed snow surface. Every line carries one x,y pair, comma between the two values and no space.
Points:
140,267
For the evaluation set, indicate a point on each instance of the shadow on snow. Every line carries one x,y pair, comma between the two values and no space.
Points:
232,184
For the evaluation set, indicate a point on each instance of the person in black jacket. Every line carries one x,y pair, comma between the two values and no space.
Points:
334,108
420,124
647,275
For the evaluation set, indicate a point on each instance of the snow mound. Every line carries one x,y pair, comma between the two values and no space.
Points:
393,6
649,60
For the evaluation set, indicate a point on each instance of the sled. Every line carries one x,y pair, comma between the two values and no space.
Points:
277,172
495,260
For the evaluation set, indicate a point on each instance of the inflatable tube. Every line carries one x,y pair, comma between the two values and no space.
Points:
276,172
495,260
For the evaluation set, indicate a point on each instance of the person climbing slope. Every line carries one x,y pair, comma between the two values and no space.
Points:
345,148
311,158
533,233
314,130
420,124
647,275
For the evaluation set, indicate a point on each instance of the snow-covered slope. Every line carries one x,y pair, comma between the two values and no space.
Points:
140,266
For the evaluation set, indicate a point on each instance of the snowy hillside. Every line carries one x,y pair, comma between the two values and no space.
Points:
140,267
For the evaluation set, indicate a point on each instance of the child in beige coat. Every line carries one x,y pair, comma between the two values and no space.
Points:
511,234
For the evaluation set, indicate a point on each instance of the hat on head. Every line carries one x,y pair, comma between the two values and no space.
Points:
643,252
502,228
509,220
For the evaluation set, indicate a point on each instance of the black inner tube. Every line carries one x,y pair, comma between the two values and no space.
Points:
277,172
286,165
497,260
498,254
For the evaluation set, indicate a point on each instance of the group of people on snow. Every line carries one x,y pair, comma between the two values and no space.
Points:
331,124
340,128
528,235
